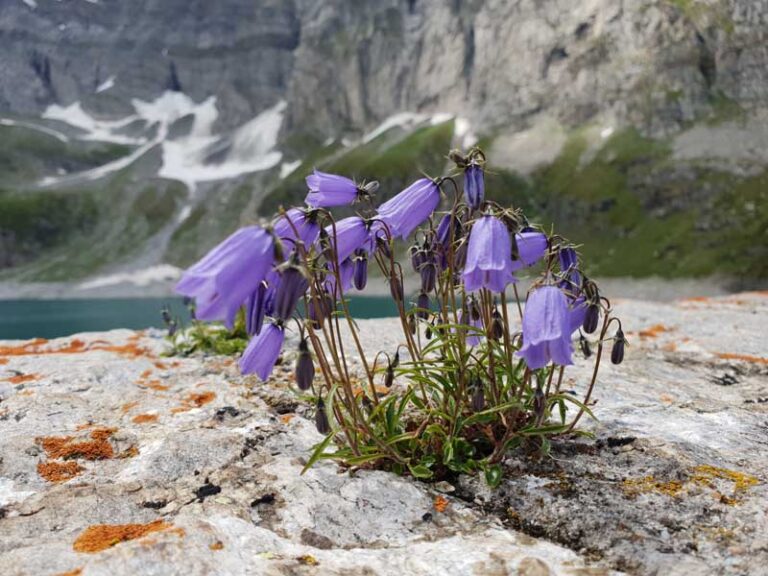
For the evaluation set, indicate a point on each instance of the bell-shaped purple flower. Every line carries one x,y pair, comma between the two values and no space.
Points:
474,186
293,284
489,256
255,309
224,278
328,190
531,247
410,208
548,323
351,233
346,274
298,220
569,262
263,351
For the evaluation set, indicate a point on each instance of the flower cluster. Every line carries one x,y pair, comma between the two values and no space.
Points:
475,381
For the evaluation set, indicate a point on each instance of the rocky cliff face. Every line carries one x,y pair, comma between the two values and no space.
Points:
553,88
346,65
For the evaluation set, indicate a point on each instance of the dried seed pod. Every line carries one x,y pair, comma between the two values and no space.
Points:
321,418
591,318
428,276
428,332
396,288
617,351
305,369
412,326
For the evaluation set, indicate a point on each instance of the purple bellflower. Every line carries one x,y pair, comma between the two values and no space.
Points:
531,247
305,222
262,352
548,323
351,233
410,208
569,263
474,186
225,277
489,256
328,190
346,273
293,284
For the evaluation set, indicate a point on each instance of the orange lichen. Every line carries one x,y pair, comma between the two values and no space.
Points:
67,447
155,385
654,331
144,419
21,378
102,536
742,357
3,361
38,347
286,418
160,365
697,299
75,572
129,452
307,560
218,545
59,471
440,504
128,406
146,374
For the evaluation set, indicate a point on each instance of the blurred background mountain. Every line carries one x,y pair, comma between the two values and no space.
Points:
134,135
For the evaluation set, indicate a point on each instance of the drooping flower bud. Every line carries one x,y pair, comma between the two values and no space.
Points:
422,303
617,351
478,394
584,345
497,325
474,186
396,288
360,269
428,332
591,318
389,376
412,324
428,276
293,284
165,312
321,418
305,369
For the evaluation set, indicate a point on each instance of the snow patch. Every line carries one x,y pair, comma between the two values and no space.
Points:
96,130
399,120
31,3
606,132
287,168
141,278
462,132
106,85
186,158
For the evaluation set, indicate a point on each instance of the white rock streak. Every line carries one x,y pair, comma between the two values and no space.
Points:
145,277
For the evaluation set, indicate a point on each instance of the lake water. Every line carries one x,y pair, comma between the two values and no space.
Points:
22,319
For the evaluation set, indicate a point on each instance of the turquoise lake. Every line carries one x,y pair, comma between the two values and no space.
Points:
22,319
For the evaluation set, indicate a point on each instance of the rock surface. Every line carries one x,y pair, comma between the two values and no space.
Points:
117,460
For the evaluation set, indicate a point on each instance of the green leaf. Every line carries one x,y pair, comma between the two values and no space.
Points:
420,471
317,453
493,475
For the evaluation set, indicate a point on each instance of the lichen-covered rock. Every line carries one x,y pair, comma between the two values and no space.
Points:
116,460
